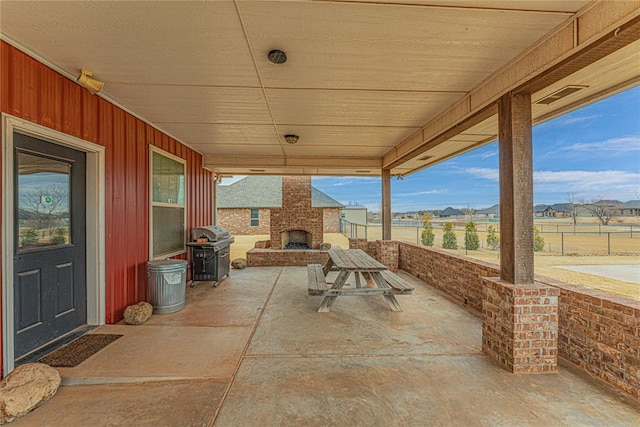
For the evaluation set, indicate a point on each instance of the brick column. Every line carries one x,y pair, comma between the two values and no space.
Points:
520,326
385,251
388,252
358,244
519,316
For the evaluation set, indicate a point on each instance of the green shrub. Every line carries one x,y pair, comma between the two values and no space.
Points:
28,236
427,238
59,237
471,239
449,240
538,241
493,241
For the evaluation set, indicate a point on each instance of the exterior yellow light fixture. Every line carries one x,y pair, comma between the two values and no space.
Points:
92,85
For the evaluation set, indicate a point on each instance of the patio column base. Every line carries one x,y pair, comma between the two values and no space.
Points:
520,326
384,251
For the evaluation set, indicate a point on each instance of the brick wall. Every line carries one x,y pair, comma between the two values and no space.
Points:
284,257
331,219
600,333
435,266
597,332
296,212
238,221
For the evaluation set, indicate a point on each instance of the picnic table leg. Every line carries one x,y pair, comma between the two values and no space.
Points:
391,300
328,301
357,276
327,266
369,279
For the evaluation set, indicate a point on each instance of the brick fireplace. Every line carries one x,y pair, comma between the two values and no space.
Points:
296,221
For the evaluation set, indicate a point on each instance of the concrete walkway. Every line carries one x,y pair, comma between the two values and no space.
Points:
626,273
254,352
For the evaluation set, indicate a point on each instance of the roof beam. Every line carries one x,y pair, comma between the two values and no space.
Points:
596,32
222,162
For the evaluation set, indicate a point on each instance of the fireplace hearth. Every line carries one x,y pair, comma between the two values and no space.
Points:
296,239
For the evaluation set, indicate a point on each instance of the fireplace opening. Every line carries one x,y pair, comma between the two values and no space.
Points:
296,239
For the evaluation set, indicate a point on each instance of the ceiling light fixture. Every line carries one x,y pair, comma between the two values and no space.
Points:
277,56
291,139
92,85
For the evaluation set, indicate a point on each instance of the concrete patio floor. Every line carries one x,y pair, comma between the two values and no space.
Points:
254,352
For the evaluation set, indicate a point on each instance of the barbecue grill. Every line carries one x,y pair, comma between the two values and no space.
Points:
210,253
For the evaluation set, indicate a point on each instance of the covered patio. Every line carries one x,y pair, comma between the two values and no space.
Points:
254,351
370,88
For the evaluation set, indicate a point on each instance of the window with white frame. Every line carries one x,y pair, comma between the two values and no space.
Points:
168,213
255,217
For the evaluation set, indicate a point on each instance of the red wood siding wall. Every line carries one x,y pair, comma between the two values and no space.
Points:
34,92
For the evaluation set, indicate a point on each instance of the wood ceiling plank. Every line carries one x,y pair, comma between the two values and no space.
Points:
203,133
239,149
137,42
354,136
326,162
544,6
195,104
353,46
357,108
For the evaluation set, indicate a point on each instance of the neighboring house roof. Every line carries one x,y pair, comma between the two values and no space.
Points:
264,192
354,207
610,203
631,204
495,209
540,208
451,212
322,200
562,207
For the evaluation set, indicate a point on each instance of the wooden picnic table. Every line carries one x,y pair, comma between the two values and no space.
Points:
379,280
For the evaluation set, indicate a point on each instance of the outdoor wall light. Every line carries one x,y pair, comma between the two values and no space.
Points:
92,85
277,56
291,139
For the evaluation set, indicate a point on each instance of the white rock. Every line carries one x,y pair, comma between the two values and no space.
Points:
138,313
239,263
25,388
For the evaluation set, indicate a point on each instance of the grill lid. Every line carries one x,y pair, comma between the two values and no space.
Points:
212,233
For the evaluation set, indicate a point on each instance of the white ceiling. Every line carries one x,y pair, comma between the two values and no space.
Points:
361,76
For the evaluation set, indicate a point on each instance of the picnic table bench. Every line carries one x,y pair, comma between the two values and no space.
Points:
380,281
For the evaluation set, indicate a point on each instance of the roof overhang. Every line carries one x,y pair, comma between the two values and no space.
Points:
400,85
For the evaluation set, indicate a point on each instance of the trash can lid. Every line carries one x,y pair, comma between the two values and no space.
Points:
167,263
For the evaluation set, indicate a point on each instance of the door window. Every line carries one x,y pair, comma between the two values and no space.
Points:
43,215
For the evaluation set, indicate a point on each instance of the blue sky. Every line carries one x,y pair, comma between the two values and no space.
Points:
592,153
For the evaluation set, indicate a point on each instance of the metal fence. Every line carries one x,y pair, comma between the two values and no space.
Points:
561,239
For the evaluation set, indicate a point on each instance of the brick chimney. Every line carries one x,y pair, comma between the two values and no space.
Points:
296,217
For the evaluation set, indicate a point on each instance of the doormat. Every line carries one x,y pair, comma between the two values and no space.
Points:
79,350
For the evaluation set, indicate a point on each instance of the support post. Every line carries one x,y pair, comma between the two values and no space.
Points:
386,204
516,189
214,201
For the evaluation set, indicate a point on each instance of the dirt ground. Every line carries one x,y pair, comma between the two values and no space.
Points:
545,263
